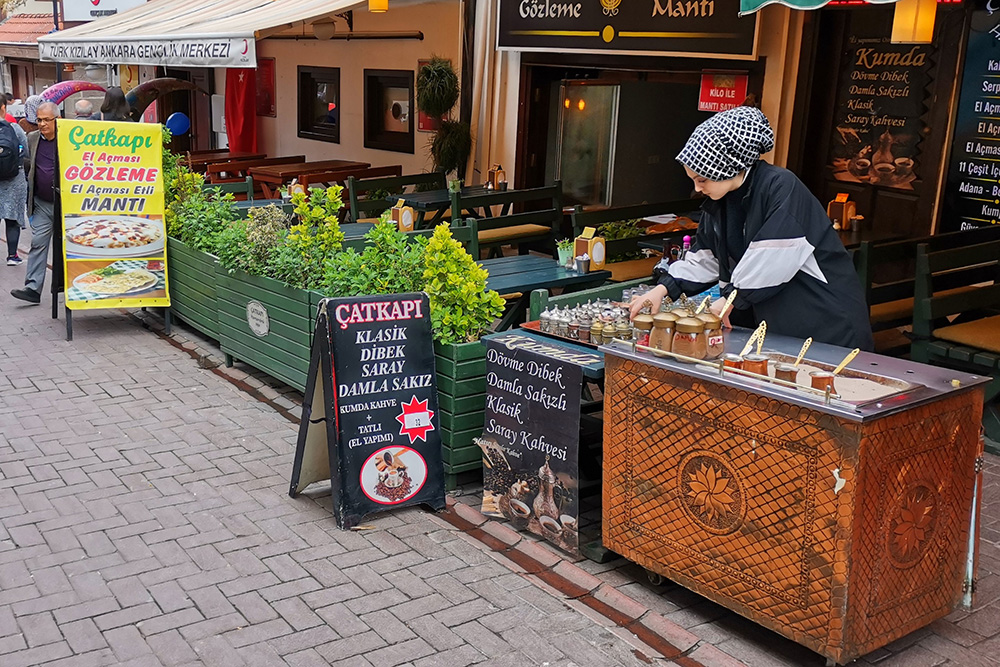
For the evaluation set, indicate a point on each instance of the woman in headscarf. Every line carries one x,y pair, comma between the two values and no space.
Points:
763,233
30,121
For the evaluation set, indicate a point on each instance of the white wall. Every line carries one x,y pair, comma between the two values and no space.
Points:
442,28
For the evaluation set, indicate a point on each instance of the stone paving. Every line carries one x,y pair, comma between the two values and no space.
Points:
144,520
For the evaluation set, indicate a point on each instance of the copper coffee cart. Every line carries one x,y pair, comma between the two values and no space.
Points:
841,526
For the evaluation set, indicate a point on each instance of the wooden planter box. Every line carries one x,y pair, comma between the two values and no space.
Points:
461,382
192,287
281,351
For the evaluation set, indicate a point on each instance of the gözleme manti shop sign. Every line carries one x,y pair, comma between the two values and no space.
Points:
683,27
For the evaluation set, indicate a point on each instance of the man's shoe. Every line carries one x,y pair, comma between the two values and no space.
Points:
26,294
14,260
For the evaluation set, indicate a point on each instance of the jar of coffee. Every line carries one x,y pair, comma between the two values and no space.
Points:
662,335
609,332
714,339
623,330
597,332
689,338
643,324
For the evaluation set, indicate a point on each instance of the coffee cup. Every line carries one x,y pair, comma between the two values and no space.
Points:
550,527
521,513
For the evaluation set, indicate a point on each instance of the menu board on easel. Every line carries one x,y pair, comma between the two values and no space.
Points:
972,194
370,420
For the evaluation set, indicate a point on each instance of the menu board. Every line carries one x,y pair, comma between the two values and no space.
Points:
972,195
531,436
114,241
370,419
880,101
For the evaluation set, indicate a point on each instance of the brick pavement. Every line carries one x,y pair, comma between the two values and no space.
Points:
144,520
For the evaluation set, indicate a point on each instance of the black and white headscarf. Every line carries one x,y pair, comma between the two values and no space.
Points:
727,143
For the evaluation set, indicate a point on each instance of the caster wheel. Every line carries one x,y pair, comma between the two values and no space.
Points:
654,578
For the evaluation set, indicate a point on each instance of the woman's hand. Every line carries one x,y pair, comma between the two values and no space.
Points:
716,309
654,297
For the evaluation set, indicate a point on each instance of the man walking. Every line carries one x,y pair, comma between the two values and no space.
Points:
84,110
43,172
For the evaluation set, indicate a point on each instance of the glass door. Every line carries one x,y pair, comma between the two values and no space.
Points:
588,118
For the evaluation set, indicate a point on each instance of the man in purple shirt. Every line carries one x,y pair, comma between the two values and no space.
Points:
43,172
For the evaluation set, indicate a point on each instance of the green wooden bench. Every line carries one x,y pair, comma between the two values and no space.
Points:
241,190
537,220
971,342
364,207
887,271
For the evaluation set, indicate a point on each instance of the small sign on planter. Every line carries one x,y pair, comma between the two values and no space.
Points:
370,419
257,318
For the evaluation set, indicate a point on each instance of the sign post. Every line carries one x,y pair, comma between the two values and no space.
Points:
113,234
370,419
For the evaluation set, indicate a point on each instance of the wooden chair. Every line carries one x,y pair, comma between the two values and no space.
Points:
537,222
465,232
367,208
636,268
342,175
241,190
237,170
970,342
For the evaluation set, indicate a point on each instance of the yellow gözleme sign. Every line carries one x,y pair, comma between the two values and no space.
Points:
114,240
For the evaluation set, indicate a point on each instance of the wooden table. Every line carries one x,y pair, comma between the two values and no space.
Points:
200,162
438,201
273,176
524,273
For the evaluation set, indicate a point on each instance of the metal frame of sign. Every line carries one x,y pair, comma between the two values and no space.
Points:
615,52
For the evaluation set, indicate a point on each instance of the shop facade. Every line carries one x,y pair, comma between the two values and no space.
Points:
309,67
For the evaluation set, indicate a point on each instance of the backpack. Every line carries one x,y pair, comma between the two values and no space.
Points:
10,152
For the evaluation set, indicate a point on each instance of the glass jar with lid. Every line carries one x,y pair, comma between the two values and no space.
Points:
643,325
689,338
662,335
714,339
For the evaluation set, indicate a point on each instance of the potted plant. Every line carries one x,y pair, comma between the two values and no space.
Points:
437,93
267,276
565,249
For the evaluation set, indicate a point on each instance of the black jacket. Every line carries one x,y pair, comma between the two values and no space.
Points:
794,271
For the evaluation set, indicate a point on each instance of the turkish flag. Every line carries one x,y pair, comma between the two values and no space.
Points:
241,114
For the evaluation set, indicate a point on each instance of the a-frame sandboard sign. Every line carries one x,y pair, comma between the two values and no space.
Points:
370,419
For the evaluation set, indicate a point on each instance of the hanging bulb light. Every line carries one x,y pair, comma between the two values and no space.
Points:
581,105
378,6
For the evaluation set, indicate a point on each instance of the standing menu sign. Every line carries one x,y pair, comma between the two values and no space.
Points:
972,195
531,436
370,419
114,243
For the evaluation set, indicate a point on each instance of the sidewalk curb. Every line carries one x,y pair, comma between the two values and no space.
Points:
548,568
672,641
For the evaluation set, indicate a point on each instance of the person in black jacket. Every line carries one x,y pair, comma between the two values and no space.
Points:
763,233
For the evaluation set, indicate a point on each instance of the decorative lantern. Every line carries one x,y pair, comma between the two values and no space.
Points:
378,6
913,22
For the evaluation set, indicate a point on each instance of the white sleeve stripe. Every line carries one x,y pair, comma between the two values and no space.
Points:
697,267
775,262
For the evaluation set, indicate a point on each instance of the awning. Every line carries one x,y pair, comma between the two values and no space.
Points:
19,35
749,6
196,33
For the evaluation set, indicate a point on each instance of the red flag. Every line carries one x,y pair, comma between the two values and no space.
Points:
241,115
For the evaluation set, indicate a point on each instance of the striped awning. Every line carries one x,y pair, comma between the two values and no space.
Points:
196,33
750,6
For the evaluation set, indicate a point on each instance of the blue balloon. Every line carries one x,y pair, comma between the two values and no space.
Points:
178,123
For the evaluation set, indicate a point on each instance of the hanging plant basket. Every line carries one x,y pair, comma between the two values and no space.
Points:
437,87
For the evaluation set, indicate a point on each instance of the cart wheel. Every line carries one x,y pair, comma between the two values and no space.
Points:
655,578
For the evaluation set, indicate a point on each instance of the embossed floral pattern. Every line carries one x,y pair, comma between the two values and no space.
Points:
914,518
710,492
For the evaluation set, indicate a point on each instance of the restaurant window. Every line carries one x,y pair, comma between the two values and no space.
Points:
319,103
388,107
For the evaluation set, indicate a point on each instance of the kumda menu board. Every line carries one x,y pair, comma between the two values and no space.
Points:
114,239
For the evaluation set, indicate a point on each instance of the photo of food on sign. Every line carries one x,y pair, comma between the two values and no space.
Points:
113,236
118,279
393,474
